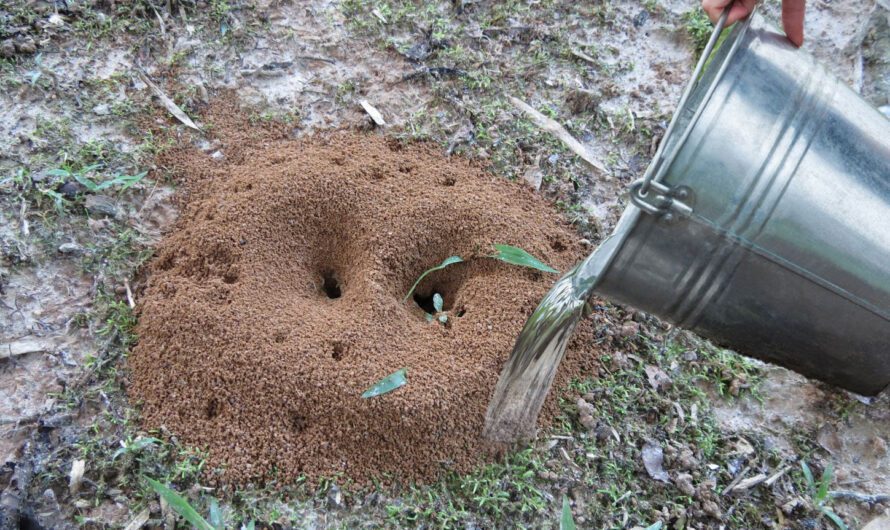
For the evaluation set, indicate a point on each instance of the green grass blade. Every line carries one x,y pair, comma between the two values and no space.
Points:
86,182
824,484
655,526
180,505
58,173
451,260
835,518
129,180
216,517
566,522
517,256
389,383
808,475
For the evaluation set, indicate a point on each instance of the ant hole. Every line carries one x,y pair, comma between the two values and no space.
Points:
338,352
461,312
298,422
249,187
558,245
213,409
426,302
330,286
449,181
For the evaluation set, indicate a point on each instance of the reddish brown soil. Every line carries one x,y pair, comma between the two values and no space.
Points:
242,351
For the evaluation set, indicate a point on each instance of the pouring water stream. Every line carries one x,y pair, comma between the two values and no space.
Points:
528,374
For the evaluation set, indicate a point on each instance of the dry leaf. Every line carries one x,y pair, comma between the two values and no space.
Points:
653,458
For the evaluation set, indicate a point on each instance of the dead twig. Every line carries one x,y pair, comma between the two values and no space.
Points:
775,476
554,128
860,497
584,57
130,300
736,480
139,521
22,347
168,103
372,111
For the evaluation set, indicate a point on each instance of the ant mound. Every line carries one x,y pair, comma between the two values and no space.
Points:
279,297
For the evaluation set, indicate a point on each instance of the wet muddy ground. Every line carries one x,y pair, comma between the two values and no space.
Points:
661,436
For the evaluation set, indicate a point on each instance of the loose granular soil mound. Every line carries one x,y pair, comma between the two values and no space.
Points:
277,300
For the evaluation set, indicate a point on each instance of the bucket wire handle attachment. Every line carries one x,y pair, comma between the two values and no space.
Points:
665,199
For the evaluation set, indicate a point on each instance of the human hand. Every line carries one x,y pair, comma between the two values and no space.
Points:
792,14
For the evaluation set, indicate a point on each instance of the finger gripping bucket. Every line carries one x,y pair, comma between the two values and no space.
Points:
764,221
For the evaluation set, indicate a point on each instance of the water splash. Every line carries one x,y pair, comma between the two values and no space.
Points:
528,374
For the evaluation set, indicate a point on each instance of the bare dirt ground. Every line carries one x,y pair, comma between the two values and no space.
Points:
674,432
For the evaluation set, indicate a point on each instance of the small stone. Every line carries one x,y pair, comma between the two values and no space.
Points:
100,205
789,507
588,422
373,499
217,156
26,46
335,497
735,387
548,476
7,49
683,481
120,289
603,432
70,249
585,408
102,110
687,459
712,509
585,243
70,189
629,329
580,100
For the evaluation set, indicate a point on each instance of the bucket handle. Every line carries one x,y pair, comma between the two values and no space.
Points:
665,201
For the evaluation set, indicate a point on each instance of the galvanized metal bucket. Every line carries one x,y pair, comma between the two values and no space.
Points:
764,221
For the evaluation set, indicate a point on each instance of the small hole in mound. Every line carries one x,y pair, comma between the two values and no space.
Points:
330,286
279,336
249,187
558,245
461,312
26,522
297,422
449,181
231,275
427,303
339,351
213,409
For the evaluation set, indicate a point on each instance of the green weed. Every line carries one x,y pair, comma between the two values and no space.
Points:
699,29
818,491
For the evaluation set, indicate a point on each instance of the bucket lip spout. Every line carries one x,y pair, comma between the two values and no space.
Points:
700,93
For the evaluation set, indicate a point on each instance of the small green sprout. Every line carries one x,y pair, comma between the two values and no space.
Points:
395,380
451,260
819,492
517,256
81,176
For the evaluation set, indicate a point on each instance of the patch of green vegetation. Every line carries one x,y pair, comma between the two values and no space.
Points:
818,491
497,495
699,29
